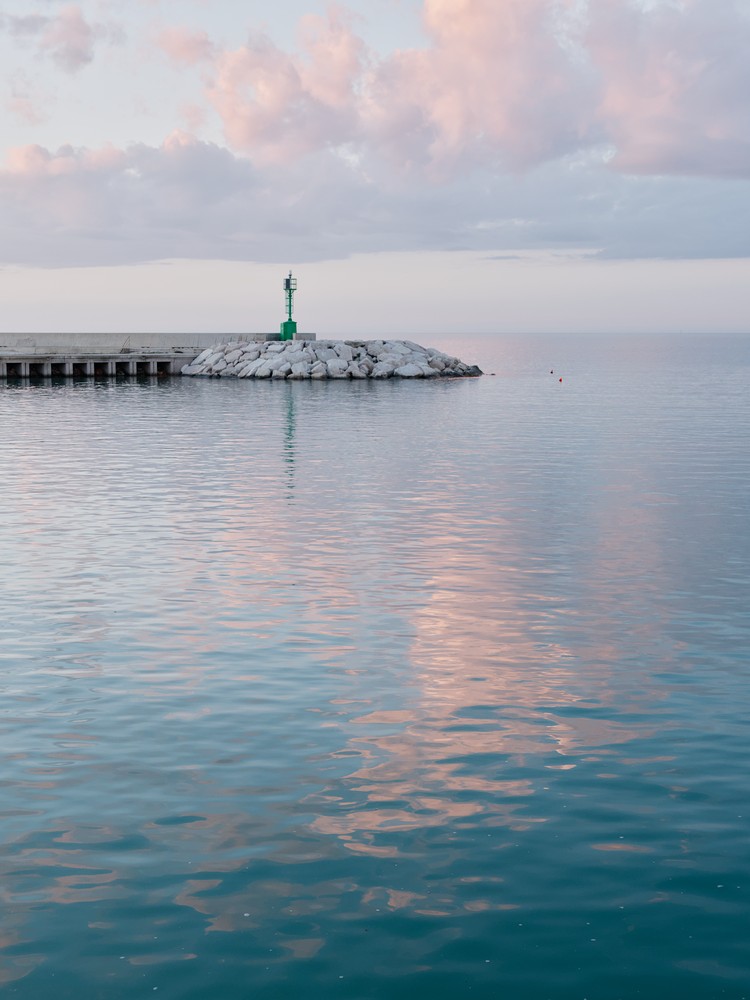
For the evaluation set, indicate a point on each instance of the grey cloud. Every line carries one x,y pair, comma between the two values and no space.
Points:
197,200
23,26
66,38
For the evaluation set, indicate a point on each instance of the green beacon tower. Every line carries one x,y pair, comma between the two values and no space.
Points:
289,327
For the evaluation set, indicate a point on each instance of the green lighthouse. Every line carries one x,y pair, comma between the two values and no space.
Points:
288,326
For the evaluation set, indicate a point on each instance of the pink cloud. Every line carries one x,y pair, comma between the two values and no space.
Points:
499,83
25,103
69,39
495,83
675,86
330,145
185,47
26,110
521,82
36,161
275,105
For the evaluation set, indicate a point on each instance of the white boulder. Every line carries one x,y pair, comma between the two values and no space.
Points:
383,369
333,359
337,367
325,354
409,371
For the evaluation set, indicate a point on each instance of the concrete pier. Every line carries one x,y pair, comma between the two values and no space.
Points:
44,366
108,355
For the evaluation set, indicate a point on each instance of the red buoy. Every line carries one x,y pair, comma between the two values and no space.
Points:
560,380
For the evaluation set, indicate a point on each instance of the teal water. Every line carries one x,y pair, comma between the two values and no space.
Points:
384,690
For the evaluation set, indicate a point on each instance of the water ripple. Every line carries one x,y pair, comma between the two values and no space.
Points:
379,690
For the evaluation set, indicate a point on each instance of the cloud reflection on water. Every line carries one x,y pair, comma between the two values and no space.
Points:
507,668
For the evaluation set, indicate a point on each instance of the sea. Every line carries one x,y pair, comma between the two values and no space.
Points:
384,689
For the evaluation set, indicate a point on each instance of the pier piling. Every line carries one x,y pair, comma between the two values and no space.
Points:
14,365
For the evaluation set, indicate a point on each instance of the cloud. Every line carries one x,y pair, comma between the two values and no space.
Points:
518,125
675,85
184,198
68,39
509,84
276,105
195,199
27,106
24,25
495,85
184,47
113,205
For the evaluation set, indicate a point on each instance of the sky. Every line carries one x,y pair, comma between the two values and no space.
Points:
422,165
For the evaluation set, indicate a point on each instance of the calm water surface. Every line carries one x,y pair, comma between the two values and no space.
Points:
376,691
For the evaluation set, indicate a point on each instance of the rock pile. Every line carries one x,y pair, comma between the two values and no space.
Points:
322,359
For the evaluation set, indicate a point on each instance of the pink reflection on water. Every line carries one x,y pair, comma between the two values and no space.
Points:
15,967
509,664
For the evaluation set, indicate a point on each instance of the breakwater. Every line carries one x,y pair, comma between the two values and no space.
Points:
328,359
